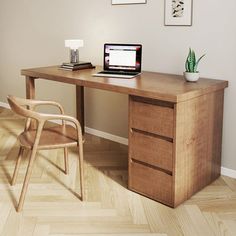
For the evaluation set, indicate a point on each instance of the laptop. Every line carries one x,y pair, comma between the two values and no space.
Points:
121,60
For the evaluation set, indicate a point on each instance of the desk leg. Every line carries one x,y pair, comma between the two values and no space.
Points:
30,94
30,87
80,105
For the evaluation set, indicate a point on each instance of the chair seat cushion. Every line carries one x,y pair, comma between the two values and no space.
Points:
53,137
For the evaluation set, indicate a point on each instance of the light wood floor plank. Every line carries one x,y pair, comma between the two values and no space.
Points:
198,221
87,228
12,225
231,226
27,226
136,209
5,209
217,225
41,230
131,234
230,182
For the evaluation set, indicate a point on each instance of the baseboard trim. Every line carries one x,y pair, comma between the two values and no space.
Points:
105,135
224,171
5,105
228,172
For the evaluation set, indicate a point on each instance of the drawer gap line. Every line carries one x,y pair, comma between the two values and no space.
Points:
152,135
152,101
151,166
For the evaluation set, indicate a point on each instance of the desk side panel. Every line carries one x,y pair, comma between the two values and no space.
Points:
197,144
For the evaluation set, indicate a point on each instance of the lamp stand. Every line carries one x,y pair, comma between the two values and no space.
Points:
74,55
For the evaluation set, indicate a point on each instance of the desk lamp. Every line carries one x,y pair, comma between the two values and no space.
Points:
74,44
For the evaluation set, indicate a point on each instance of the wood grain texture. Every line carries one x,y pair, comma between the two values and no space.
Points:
194,157
152,150
30,87
110,208
151,182
166,87
197,144
151,118
52,137
80,106
30,94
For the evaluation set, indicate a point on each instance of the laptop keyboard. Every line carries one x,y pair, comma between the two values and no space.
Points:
118,72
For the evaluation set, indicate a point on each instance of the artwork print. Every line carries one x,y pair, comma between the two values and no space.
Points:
178,12
177,8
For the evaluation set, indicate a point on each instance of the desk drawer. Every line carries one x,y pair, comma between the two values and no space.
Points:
152,118
151,182
151,150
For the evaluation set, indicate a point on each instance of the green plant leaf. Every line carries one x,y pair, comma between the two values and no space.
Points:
195,68
201,58
192,61
186,66
193,57
187,61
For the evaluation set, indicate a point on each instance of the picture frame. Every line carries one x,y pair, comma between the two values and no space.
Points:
178,12
123,2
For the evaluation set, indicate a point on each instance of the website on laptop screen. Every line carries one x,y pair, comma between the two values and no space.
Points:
122,57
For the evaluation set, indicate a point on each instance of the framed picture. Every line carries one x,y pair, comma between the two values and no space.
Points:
178,12
119,2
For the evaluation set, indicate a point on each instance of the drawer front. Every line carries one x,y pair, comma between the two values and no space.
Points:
151,150
151,183
152,118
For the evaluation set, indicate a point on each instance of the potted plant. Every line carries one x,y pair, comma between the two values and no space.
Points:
191,74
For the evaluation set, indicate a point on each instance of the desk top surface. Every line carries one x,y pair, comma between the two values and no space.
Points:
167,87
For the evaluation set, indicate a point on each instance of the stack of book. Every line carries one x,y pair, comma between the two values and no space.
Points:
76,66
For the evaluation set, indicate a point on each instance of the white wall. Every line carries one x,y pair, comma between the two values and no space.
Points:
33,33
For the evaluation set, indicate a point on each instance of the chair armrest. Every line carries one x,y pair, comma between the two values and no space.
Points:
46,117
36,103
31,103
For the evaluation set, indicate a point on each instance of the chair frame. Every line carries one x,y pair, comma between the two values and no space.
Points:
26,108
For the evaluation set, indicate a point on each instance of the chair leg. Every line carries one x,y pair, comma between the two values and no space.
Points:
26,180
18,161
81,168
66,161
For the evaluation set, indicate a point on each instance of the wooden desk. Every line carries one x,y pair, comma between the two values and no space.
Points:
175,128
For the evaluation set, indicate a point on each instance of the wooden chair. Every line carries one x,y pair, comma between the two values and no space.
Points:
40,138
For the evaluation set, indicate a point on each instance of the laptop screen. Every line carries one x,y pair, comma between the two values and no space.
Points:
122,57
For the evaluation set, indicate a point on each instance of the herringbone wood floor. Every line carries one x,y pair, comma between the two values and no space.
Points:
110,208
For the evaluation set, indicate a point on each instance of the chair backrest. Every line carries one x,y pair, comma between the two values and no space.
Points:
18,105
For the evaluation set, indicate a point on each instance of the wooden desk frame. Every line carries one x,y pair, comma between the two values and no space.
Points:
175,128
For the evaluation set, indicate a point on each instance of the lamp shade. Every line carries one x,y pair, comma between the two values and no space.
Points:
74,43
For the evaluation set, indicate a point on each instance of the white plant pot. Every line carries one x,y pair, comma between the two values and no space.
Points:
191,77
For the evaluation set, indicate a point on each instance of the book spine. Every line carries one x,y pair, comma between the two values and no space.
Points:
77,68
